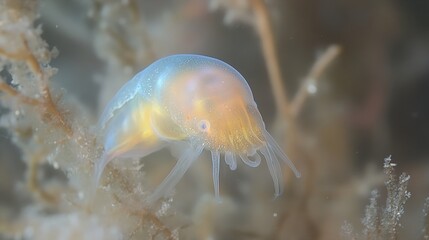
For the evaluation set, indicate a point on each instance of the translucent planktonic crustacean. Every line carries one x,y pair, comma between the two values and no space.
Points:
198,102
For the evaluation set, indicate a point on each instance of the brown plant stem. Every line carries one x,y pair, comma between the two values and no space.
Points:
266,34
119,176
33,182
312,77
147,215
47,104
14,93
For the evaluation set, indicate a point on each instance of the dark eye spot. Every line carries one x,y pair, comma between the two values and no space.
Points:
204,126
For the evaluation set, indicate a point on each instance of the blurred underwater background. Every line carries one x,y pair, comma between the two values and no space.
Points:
341,85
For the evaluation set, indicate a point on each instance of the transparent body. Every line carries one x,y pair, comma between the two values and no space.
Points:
196,100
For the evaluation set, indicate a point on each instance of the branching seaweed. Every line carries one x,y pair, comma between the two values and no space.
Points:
47,130
425,229
384,223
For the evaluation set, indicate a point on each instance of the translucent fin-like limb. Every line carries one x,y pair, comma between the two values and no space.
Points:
279,152
230,160
182,165
99,168
275,170
252,163
216,164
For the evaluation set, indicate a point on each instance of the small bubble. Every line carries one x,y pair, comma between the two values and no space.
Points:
274,214
311,88
55,165
81,195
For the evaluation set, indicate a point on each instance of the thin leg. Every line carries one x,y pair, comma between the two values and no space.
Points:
249,162
279,152
182,165
275,170
99,169
216,164
230,161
